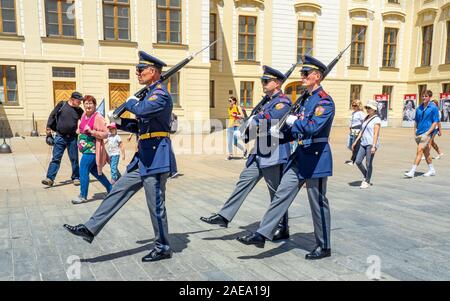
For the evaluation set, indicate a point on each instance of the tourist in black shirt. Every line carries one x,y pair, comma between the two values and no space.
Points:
64,121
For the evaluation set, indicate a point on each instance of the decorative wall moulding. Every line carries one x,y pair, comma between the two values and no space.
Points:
445,11
428,10
426,16
308,7
393,15
249,3
361,12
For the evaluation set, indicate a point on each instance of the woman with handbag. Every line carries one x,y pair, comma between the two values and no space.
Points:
356,122
235,116
369,141
92,131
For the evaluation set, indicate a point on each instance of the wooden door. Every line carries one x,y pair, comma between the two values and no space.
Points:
63,90
118,93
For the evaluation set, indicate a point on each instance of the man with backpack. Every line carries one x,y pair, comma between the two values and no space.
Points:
63,120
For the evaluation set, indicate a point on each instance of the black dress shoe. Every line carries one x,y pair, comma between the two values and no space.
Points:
80,230
280,233
215,219
253,239
154,255
318,253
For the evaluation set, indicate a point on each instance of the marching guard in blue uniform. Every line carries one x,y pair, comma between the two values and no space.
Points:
151,165
268,157
311,164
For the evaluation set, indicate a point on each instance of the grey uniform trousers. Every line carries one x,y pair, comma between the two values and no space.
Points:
288,189
249,177
123,190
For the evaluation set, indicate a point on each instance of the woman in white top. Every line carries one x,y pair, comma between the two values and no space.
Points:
369,138
356,122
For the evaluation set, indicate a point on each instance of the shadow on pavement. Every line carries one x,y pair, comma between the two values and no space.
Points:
355,183
64,183
304,241
98,196
252,228
249,228
179,242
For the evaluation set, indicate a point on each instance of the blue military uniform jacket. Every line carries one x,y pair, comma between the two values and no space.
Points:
153,114
315,118
273,150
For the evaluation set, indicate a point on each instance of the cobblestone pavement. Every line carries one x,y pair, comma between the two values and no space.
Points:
404,222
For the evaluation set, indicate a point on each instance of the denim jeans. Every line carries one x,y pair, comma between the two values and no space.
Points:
61,143
88,165
351,138
114,163
365,152
232,139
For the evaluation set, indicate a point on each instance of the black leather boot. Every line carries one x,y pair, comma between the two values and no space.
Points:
156,255
80,230
253,239
215,219
318,253
282,231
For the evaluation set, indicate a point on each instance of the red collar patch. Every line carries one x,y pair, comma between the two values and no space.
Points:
323,94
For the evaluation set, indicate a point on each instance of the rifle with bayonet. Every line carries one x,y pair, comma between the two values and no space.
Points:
244,129
276,129
165,76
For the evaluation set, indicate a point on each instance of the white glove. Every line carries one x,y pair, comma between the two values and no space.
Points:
110,114
291,120
251,121
132,97
112,119
273,131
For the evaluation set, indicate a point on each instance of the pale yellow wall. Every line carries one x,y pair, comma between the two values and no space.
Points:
233,72
374,77
35,57
405,78
437,13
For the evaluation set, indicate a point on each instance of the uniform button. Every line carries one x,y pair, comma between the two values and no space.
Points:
154,147
317,153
